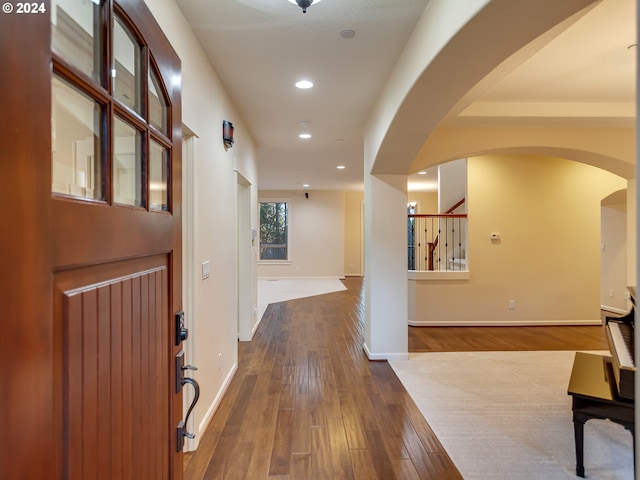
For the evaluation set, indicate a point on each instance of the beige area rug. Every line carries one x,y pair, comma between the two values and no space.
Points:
507,415
283,289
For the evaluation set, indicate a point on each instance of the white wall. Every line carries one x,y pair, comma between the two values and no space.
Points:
385,256
205,104
427,202
547,211
613,255
452,185
316,235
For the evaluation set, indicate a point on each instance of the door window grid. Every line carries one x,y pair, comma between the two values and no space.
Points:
115,166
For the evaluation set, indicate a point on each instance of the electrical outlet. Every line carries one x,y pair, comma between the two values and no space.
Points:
512,304
611,293
219,361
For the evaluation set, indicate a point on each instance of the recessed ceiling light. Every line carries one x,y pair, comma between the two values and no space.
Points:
422,173
305,185
305,135
341,167
347,33
304,84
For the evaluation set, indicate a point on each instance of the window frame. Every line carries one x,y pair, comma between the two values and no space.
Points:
288,260
102,92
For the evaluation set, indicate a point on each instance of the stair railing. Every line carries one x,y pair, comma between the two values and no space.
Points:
426,230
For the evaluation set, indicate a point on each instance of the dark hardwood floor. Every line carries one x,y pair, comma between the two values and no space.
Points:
306,403
477,339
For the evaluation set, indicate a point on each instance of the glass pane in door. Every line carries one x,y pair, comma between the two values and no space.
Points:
158,105
76,34
127,164
126,67
76,126
158,177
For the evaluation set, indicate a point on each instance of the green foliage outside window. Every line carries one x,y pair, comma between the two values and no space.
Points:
274,230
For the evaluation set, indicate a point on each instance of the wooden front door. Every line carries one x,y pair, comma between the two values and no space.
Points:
90,145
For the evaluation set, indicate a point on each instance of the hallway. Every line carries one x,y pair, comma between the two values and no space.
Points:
307,403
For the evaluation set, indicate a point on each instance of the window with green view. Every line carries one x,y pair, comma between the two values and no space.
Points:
274,230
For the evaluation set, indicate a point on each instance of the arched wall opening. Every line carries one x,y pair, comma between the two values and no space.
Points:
545,267
451,52
453,48
611,149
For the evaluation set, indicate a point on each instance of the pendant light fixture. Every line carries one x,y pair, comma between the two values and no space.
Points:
304,4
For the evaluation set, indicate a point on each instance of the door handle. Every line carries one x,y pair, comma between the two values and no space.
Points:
182,426
196,388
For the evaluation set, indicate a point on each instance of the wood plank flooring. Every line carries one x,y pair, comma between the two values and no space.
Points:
306,403
476,339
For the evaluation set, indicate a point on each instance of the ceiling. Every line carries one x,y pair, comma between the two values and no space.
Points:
260,48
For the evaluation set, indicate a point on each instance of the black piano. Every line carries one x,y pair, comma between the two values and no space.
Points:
621,338
602,387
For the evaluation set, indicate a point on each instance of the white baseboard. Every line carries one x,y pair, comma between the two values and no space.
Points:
506,323
258,320
390,357
330,277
